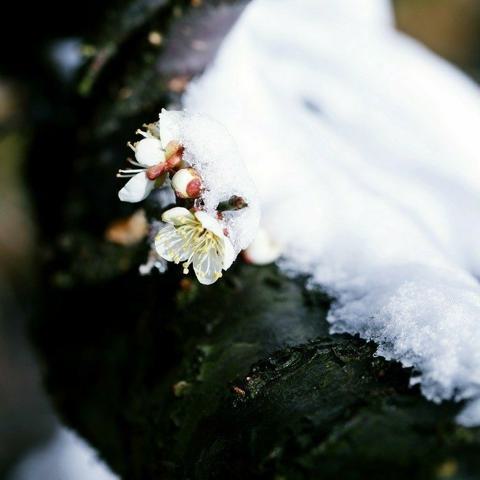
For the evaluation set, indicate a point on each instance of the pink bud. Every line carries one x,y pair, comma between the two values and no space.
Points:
156,171
187,183
174,155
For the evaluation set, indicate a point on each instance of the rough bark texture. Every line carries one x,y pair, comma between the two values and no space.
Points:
239,380
170,380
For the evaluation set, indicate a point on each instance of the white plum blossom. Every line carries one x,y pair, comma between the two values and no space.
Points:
195,238
152,161
216,212
149,154
263,250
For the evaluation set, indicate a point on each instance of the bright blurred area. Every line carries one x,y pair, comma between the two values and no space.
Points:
31,444
450,28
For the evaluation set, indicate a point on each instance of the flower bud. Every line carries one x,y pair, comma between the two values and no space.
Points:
155,172
263,250
149,151
174,155
187,183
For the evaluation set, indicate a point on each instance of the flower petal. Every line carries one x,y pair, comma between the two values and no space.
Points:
210,223
171,246
177,215
263,250
228,253
149,152
207,267
136,189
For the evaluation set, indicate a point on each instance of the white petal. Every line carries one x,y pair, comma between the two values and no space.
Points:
207,267
263,250
228,253
175,215
136,189
171,246
210,223
149,152
170,126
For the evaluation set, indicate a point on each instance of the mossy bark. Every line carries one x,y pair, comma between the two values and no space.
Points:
240,379
175,380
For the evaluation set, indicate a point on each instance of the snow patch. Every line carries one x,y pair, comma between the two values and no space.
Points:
365,150
65,457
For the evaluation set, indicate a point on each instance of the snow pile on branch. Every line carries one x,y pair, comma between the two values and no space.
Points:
365,150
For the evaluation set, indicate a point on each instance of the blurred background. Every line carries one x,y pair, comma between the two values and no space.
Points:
32,443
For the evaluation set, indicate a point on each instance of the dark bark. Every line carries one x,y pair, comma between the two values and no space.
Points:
238,380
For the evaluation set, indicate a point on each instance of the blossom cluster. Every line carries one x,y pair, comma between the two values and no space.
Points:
188,234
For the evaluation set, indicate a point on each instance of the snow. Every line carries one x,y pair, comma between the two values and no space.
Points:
211,150
65,457
364,147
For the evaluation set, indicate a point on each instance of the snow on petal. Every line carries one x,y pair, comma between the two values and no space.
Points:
170,126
